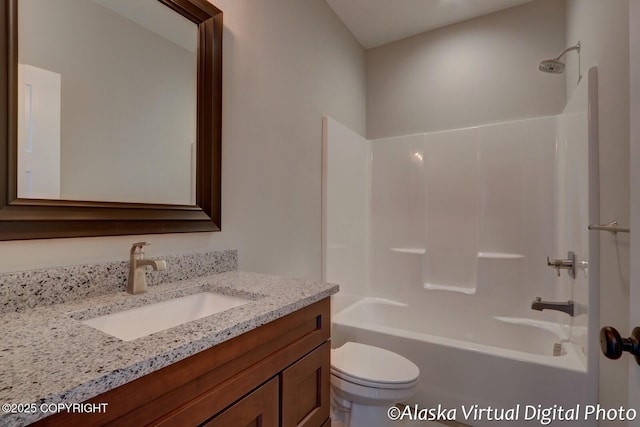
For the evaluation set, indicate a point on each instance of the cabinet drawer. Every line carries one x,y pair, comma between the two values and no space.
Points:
259,409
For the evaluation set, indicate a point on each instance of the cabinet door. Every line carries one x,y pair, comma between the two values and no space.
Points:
259,409
305,390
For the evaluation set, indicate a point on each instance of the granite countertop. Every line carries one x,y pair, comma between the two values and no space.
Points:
48,356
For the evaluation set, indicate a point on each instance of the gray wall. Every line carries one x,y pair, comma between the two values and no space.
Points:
479,71
286,63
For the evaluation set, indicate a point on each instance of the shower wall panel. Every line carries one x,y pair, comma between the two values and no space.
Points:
346,198
468,210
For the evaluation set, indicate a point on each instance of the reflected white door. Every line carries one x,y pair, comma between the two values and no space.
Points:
38,133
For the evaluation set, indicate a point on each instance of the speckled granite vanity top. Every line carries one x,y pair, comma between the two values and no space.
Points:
48,356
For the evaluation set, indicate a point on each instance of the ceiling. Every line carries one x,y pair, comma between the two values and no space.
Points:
378,22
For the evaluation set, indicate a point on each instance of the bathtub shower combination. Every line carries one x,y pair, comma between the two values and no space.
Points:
440,244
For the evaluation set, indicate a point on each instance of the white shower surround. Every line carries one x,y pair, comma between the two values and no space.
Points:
497,200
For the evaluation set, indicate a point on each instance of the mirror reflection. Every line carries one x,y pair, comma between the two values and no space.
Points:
106,101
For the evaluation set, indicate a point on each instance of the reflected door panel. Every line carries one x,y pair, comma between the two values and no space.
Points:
39,133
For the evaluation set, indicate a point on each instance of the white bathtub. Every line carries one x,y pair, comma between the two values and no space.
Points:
492,362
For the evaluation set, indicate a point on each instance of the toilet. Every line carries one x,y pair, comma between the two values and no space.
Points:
366,381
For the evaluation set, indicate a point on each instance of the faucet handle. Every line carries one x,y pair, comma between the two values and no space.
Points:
138,245
570,264
555,264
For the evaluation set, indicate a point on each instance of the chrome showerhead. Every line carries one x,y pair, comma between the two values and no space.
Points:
554,65
551,66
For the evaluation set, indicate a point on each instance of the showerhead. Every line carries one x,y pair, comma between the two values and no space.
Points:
551,66
554,65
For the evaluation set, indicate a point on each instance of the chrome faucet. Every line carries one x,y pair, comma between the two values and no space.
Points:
137,283
570,264
566,307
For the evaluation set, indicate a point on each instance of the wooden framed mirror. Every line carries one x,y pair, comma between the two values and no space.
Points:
36,218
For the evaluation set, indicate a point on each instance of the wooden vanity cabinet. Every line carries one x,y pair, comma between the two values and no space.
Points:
305,389
258,409
275,375
303,394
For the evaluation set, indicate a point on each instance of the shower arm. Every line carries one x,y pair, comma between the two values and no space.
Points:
569,49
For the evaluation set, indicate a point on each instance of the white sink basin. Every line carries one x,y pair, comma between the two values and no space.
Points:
146,320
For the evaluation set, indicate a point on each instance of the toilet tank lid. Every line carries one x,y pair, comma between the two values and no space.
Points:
373,364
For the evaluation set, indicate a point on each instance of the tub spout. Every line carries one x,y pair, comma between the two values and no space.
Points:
566,307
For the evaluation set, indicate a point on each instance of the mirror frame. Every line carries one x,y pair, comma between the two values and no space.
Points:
40,219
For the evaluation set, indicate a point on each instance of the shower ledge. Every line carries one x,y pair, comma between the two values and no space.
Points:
409,250
450,288
499,255
484,255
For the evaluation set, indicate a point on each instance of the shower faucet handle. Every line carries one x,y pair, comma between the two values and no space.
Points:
568,264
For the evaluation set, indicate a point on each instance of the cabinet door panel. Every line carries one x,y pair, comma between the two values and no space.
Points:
258,409
305,390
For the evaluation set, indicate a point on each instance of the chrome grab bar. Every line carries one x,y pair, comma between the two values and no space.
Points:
611,227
